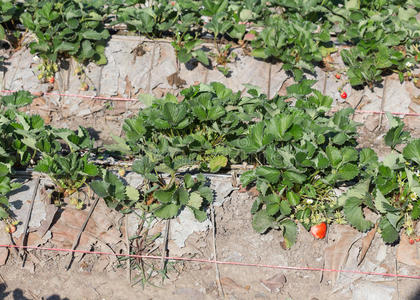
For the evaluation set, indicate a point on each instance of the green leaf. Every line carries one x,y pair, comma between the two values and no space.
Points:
293,198
164,196
352,4
294,177
143,166
289,232
259,53
200,215
271,174
2,33
262,221
334,156
188,181
132,193
201,56
248,177
100,188
273,208
91,170
415,213
4,169
354,214
94,35
388,232
285,208
300,89
347,172
381,202
195,200
412,151
368,157
167,211
217,162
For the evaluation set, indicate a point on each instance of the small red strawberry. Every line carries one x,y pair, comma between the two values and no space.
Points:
319,231
418,239
51,79
411,241
173,3
338,76
343,95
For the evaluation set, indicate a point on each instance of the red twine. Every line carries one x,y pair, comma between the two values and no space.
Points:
214,261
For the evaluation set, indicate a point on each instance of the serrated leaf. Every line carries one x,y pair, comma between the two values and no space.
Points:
91,170
289,232
217,162
166,211
359,191
412,151
200,215
132,193
262,221
285,208
195,200
347,172
188,181
388,232
100,188
380,202
272,175
163,196
354,214
247,177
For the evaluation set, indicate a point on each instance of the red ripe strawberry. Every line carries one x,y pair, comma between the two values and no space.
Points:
338,76
173,3
319,231
343,95
411,241
52,79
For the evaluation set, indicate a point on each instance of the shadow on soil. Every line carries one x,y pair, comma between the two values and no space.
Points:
17,294
416,295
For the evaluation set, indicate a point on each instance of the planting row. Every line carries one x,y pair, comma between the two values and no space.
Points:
300,151
383,35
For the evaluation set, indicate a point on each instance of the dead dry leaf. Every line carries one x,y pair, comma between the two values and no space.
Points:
366,242
174,79
274,284
229,283
406,253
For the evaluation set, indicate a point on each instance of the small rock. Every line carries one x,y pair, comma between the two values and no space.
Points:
84,112
222,189
185,225
134,179
189,293
372,291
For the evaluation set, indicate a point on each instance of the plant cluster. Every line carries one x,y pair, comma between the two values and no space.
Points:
26,141
383,35
300,151
66,28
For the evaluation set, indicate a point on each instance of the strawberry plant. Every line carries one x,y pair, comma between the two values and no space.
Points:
9,16
69,173
65,28
390,188
292,41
